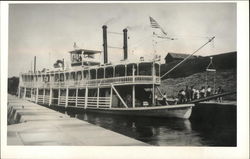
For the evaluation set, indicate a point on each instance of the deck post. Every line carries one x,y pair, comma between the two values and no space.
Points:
43,95
98,91
50,96
153,94
59,96
24,94
86,97
37,91
133,96
67,96
76,95
111,95
19,91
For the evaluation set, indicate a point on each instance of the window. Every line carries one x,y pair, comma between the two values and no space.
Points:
100,73
130,69
93,74
120,70
145,69
109,72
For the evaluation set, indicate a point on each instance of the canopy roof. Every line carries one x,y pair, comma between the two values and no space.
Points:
85,51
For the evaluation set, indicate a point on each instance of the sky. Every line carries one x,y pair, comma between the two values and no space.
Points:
48,31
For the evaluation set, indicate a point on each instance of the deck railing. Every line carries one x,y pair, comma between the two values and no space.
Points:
104,81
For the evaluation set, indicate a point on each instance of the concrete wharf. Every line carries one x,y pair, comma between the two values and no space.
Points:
32,124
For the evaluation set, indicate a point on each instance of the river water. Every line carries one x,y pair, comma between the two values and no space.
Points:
212,130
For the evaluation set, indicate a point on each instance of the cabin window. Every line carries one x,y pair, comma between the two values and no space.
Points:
79,75
93,74
157,69
56,77
92,92
104,92
47,78
130,69
39,78
100,73
120,70
109,72
67,76
85,74
72,76
145,69
52,77
61,77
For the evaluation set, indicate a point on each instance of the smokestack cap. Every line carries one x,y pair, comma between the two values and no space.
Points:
104,26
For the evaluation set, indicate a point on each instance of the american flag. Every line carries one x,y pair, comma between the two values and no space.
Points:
153,23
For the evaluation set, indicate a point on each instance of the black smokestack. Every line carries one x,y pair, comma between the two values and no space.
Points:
125,43
105,44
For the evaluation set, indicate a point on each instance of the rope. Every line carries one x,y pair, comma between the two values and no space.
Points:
188,57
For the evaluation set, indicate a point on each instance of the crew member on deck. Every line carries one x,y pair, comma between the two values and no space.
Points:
164,98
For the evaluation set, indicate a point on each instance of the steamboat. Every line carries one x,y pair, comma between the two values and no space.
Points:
126,88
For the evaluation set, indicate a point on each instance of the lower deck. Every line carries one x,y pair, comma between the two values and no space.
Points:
93,97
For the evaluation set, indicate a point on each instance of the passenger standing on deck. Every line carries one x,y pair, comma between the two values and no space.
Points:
202,92
209,91
188,94
183,96
193,93
219,91
197,94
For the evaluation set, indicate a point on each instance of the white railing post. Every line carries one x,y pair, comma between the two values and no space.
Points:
76,96
133,96
111,96
98,91
59,96
50,96
86,97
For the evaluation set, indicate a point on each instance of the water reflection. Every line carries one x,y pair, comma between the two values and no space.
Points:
219,131
155,131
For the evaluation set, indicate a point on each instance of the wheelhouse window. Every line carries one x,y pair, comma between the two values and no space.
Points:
93,74
120,70
109,72
130,69
76,57
145,69
100,73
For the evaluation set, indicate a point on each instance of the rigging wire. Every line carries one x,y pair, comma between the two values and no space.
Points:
211,39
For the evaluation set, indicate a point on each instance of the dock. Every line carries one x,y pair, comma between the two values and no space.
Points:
33,124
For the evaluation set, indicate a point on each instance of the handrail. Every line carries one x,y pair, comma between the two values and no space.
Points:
103,81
